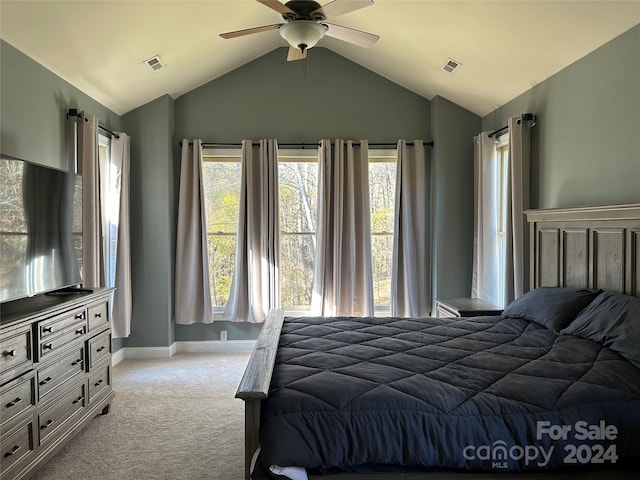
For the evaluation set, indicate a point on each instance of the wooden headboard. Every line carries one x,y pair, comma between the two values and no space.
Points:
594,247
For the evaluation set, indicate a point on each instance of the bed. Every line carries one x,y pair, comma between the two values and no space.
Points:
553,384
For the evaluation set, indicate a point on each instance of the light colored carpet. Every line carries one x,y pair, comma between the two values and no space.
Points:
171,419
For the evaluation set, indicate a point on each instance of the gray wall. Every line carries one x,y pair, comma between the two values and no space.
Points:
585,148
452,196
273,98
153,224
33,111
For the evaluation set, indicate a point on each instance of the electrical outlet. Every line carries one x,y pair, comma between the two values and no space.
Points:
223,335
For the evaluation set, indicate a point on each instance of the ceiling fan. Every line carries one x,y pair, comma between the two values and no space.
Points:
305,24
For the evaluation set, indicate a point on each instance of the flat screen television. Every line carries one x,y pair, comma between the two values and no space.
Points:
40,229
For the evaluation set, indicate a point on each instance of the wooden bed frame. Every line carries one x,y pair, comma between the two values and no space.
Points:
594,247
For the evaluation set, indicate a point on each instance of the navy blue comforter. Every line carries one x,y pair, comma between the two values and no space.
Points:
484,393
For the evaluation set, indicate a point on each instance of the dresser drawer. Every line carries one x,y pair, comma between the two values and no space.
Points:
59,370
99,348
17,445
99,380
98,317
55,325
16,354
17,397
53,345
54,416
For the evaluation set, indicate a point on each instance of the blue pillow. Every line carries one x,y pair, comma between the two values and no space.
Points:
613,319
551,307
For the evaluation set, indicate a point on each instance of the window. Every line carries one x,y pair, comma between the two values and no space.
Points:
221,179
110,189
298,178
382,189
501,181
298,181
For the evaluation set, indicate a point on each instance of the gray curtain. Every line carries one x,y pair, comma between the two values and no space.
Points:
518,200
485,281
343,283
121,310
411,272
105,213
255,287
192,294
92,234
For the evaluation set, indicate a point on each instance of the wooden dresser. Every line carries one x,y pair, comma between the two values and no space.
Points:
55,374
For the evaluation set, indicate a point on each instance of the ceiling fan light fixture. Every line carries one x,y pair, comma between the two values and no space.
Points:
302,34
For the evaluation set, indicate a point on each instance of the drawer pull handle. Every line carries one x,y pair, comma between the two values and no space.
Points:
46,380
73,364
13,451
98,383
47,329
98,315
80,316
80,331
101,349
47,346
78,400
13,403
46,425
10,353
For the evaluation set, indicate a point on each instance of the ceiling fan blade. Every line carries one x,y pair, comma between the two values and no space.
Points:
296,54
340,7
249,31
350,35
278,7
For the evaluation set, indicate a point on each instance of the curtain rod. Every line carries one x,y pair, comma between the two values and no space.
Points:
106,130
300,145
526,117
73,112
498,131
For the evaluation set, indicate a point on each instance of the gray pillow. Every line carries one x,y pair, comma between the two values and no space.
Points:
551,307
612,319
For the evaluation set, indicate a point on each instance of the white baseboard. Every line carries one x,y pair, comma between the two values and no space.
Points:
214,346
117,357
148,353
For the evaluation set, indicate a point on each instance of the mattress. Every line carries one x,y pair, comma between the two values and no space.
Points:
484,393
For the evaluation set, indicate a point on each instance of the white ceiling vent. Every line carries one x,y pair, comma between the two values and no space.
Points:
451,65
155,63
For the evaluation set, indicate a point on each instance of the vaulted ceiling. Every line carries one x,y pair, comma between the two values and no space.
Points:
505,47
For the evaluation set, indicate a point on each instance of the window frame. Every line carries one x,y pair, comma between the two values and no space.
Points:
233,155
300,155
382,155
221,155
502,179
109,243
